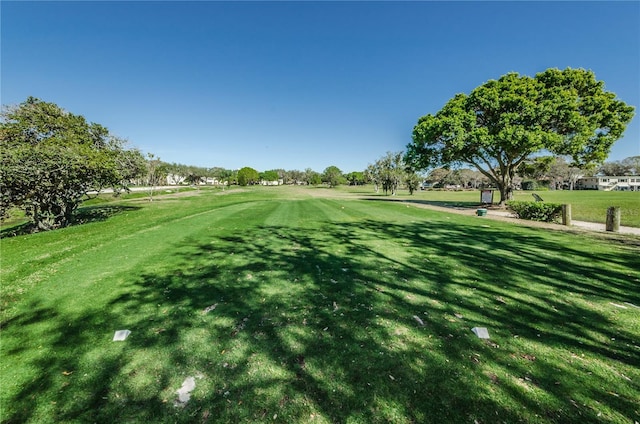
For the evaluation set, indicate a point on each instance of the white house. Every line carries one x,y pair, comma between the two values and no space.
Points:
175,179
610,183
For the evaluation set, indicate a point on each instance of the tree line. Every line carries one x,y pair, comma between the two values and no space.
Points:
52,160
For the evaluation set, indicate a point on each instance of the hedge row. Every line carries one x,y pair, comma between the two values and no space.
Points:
536,211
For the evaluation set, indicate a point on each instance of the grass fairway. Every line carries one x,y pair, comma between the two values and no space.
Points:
287,306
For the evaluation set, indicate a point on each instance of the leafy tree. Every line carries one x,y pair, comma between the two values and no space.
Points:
389,171
294,176
355,178
194,177
391,168
332,175
281,174
248,176
373,174
156,172
552,170
221,174
536,168
616,168
132,165
312,177
271,175
412,181
51,159
561,173
439,177
470,178
632,164
502,123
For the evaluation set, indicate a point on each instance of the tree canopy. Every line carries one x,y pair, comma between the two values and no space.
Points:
503,122
332,175
627,166
51,159
248,176
271,175
390,171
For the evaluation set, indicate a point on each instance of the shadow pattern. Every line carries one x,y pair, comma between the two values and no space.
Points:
356,322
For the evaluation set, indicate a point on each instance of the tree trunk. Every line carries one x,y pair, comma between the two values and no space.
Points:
506,193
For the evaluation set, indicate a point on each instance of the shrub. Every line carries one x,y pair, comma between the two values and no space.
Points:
536,211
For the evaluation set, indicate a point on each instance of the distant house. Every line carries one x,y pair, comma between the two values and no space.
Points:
211,181
272,183
610,183
175,179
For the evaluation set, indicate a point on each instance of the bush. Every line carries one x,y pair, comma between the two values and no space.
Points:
536,211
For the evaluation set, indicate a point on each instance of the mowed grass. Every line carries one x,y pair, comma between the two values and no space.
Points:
288,306
586,205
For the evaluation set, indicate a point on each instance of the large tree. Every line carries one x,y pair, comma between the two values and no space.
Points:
503,122
51,159
332,175
248,176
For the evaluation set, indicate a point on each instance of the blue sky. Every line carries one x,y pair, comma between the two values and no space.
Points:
298,85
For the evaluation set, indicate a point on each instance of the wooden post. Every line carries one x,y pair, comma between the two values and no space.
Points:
613,219
566,214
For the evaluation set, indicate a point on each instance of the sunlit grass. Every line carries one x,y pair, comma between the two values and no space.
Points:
289,307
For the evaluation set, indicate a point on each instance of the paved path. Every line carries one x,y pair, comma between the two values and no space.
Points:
592,226
503,215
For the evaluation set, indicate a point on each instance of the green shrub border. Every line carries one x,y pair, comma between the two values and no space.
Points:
536,211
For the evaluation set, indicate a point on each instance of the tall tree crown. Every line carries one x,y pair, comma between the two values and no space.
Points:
503,122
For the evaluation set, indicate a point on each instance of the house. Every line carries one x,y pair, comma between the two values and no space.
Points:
272,183
610,183
175,179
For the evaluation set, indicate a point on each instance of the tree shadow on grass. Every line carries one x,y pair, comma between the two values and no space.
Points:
83,215
98,213
365,321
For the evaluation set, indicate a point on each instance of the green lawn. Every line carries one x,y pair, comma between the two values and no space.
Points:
586,205
319,310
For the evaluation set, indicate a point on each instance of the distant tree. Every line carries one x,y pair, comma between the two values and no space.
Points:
355,178
391,167
294,177
132,165
156,173
632,163
332,176
194,177
373,174
51,159
390,171
470,178
537,167
412,181
271,175
176,172
439,177
503,123
248,176
561,173
281,174
221,174
616,168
